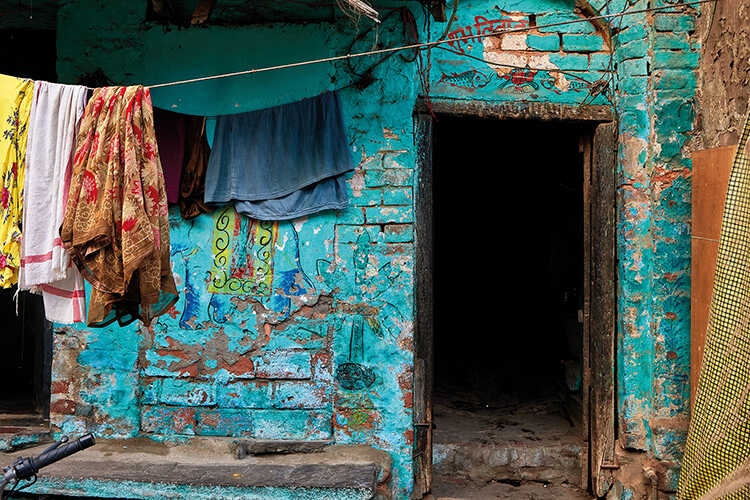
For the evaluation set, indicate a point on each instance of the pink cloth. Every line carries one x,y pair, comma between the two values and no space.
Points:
170,139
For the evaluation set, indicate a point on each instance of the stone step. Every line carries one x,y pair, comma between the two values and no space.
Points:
521,440
21,430
206,466
554,462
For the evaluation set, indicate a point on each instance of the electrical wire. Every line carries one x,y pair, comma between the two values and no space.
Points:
364,75
423,45
451,20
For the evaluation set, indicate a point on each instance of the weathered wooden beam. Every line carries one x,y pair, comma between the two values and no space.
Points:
518,111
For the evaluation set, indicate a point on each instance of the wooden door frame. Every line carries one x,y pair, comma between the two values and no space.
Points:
423,270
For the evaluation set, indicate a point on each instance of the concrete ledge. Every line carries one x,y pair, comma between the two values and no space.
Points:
358,476
209,463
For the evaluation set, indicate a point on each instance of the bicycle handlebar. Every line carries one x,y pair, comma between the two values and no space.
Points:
26,467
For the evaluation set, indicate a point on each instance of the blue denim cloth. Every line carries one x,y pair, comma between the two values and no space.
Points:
328,194
281,162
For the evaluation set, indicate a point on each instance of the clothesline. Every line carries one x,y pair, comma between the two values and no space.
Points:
86,184
424,45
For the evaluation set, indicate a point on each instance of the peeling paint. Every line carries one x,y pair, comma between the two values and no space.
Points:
318,344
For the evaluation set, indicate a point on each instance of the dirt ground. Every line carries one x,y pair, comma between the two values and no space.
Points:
446,488
542,420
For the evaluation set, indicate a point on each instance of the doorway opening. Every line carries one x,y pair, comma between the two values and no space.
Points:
508,298
26,339
25,356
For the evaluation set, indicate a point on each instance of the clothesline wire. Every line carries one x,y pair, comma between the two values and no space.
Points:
425,45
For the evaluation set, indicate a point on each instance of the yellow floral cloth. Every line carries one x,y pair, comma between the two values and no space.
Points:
15,104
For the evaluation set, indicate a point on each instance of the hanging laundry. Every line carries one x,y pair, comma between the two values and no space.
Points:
116,224
184,152
281,162
15,106
193,182
170,137
46,266
328,194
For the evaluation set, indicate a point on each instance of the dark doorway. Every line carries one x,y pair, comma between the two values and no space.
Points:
25,356
26,338
32,54
508,257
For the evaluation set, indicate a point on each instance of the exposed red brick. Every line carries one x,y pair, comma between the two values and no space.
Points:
409,436
243,366
60,387
63,407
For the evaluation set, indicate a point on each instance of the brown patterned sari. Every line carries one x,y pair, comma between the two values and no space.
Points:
116,225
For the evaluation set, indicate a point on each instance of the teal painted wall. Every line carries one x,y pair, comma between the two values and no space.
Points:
321,348
318,349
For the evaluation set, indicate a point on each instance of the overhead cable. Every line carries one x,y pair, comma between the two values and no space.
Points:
425,45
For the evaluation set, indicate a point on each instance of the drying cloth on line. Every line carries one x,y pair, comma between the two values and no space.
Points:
170,137
15,106
116,224
193,182
273,153
55,113
184,153
328,194
719,436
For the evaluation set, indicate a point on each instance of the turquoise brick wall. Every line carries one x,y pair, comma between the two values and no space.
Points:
322,349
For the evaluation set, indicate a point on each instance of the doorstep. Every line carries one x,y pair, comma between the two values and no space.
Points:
207,468
20,430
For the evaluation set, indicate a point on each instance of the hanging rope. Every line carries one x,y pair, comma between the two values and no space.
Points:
424,45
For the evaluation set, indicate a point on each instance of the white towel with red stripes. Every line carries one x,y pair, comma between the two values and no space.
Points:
46,266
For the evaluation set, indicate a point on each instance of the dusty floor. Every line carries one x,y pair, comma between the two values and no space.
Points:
515,439
544,420
445,488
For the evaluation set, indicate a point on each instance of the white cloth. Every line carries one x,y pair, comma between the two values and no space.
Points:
46,266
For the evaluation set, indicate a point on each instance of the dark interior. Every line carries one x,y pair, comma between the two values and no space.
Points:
25,341
508,260
25,354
